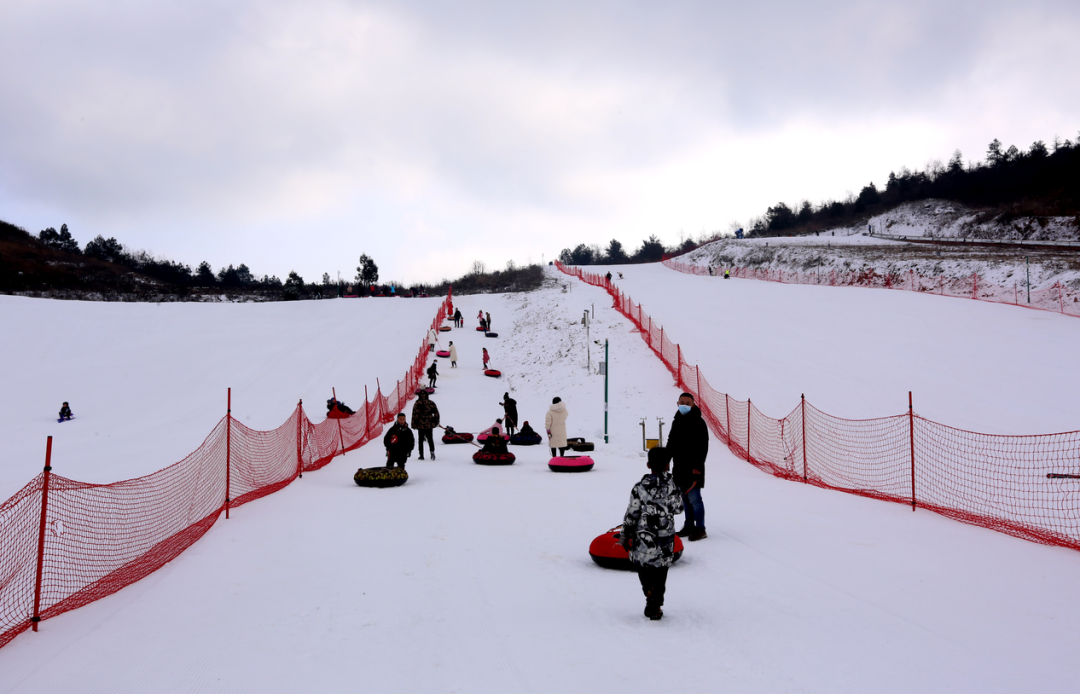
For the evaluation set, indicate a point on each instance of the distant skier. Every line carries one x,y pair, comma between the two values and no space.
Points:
65,412
399,442
487,358
453,355
433,374
648,529
727,274
341,407
555,424
425,417
608,276
509,406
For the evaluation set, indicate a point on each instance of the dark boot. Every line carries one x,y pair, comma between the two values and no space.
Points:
685,530
696,534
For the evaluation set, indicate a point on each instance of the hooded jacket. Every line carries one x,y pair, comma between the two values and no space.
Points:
425,413
688,442
399,442
650,520
555,422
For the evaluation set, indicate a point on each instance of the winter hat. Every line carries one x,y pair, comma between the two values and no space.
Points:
556,401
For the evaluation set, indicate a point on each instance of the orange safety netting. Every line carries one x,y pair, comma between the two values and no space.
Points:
1057,298
1026,486
91,540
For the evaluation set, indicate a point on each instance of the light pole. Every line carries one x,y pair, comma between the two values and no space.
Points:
1027,268
606,367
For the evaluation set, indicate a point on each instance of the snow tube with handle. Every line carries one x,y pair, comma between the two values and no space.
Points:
482,458
443,353
571,463
381,477
423,389
491,334
520,439
494,373
445,329
608,553
463,437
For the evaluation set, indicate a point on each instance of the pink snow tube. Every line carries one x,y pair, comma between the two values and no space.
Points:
484,437
443,353
571,463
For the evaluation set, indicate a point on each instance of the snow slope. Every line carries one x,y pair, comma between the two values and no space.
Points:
477,579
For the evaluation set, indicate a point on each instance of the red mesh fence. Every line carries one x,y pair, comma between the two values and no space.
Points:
1058,298
93,539
1027,486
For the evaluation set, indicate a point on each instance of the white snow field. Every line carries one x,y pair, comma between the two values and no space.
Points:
477,579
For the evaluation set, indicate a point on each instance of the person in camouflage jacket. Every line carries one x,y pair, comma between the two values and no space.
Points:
648,530
425,417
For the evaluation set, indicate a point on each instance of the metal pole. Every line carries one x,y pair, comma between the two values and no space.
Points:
803,396
911,429
1027,268
228,455
41,535
607,372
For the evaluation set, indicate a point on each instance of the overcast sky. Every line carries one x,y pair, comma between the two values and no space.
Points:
298,135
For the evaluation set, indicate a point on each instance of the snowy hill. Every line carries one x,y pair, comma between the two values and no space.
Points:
477,579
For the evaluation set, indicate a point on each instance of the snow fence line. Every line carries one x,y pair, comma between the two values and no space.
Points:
1025,486
67,543
1056,298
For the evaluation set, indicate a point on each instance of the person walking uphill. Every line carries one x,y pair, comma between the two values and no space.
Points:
433,374
555,423
648,529
487,358
688,442
453,355
425,417
509,406
399,442
432,338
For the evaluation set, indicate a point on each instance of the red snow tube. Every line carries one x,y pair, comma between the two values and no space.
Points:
482,458
443,353
608,553
571,463
491,334
463,437
479,329
494,373
444,329
335,413
429,391
484,437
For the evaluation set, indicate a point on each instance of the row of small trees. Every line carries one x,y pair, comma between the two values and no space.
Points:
651,250
1040,181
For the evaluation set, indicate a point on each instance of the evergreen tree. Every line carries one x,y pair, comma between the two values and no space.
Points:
615,254
367,273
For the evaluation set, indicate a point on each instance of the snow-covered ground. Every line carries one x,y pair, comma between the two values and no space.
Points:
477,579
846,249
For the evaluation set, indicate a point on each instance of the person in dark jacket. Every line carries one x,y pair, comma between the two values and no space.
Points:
433,374
510,419
399,442
425,417
688,442
495,443
65,411
459,320
648,529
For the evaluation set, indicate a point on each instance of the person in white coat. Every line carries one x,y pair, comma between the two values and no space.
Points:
453,355
555,423
432,338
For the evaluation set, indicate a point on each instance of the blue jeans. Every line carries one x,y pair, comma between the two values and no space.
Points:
695,508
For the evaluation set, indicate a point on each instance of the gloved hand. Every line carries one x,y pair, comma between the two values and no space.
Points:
549,433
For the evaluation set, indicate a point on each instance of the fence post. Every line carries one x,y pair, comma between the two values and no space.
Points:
803,436
1061,298
300,439
727,416
678,367
228,455
974,285
367,414
341,438
911,430
749,458
41,535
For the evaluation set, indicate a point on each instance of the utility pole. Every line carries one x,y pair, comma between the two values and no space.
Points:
605,368
1027,267
588,347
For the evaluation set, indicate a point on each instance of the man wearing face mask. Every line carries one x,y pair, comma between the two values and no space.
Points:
688,443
